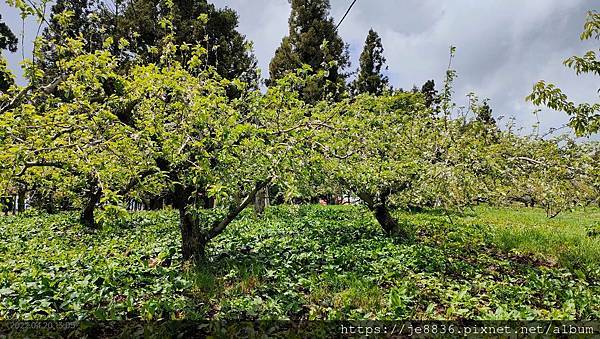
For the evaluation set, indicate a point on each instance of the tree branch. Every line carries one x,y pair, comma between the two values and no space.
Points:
219,227
136,180
49,89
16,100
367,198
55,164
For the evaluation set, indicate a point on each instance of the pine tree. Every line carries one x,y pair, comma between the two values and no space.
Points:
432,98
309,27
372,62
7,41
484,114
85,21
7,38
195,22
6,79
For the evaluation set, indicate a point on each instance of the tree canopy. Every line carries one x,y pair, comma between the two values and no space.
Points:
106,128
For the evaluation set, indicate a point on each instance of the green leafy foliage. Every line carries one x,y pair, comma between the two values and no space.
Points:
62,271
79,139
96,130
299,262
585,117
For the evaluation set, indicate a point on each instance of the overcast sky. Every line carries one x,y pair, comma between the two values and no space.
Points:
503,46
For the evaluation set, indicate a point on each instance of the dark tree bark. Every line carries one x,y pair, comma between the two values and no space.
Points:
193,242
155,203
219,227
379,208
526,199
21,201
93,196
388,223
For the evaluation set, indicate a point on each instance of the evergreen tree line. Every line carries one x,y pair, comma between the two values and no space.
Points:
135,28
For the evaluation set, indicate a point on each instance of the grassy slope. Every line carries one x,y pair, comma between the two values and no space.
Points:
566,238
309,262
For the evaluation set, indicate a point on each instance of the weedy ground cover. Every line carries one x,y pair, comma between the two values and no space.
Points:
306,262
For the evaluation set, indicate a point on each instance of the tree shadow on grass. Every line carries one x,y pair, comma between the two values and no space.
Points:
334,258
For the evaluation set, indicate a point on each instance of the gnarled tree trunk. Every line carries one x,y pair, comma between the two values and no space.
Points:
92,196
193,242
388,223
21,201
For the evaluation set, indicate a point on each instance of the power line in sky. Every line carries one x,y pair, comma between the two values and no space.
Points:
345,15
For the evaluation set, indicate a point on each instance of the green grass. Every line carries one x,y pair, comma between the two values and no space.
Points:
570,238
308,262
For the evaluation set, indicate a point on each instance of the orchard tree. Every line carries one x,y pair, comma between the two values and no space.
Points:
210,146
216,152
593,151
313,40
169,123
585,117
376,149
556,174
8,41
390,150
81,138
372,62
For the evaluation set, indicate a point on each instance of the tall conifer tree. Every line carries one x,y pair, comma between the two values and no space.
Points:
432,99
195,22
484,114
372,62
7,41
309,27
7,38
